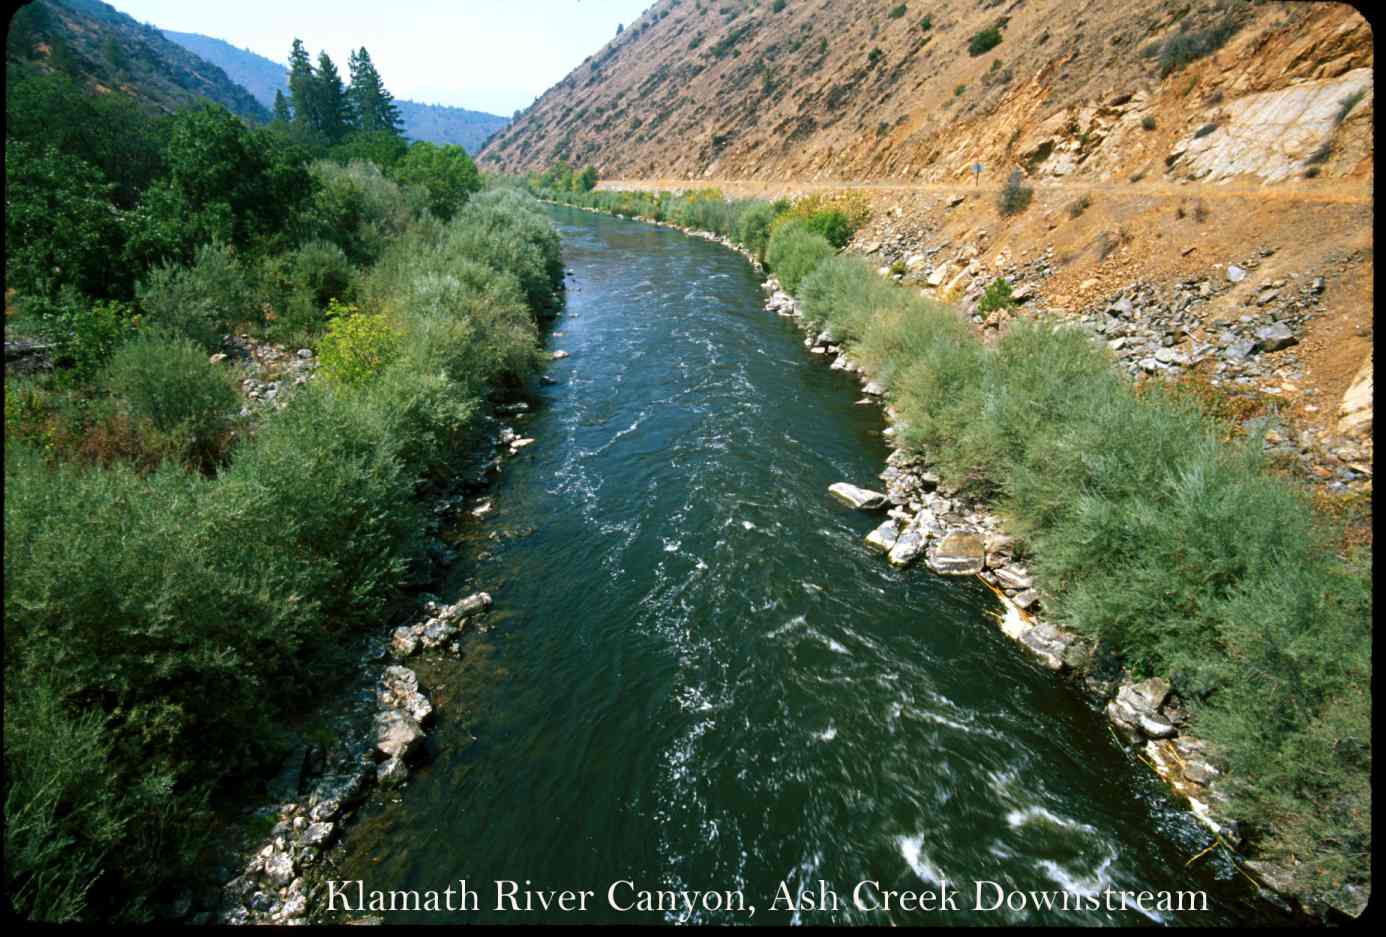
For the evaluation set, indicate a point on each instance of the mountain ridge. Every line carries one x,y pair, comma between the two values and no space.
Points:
262,77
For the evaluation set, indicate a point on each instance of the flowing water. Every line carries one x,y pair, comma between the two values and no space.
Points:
697,677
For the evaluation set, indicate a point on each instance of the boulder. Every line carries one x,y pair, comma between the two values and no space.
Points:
907,548
959,554
860,498
397,734
1275,337
883,538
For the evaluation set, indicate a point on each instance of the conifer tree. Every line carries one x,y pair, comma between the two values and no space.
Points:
281,108
301,87
331,107
373,107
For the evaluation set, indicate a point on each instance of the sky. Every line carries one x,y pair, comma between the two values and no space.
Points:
487,55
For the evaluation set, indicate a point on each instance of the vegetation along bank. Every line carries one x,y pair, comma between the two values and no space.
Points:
186,553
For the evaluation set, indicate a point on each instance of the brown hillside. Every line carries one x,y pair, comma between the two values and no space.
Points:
842,90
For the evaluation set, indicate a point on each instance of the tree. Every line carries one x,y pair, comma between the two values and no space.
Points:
586,180
301,84
446,172
373,107
60,226
332,109
281,108
226,182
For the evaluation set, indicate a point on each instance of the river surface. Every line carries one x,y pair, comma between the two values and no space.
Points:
697,676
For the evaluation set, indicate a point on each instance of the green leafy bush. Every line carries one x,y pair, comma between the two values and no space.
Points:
753,228
85,333
202,302
794,250
169,382
357,346
996,296
984,41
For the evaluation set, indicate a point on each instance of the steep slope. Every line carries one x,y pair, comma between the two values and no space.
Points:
877,90
98,44
434,123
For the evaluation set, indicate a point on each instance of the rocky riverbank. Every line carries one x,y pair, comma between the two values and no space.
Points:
955,536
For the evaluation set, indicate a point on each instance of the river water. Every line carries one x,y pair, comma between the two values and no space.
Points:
697,677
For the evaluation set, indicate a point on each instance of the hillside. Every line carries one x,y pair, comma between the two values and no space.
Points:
816,90
434,123
96,43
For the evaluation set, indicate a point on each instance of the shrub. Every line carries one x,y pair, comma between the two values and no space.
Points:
794,250
1188,46
927,23
896,12
505,230
996,296
1014,196
169,382
1205,130
202,302
1079,205
874,56
357,346
984,41
753,228
358,209
1148,122
85,334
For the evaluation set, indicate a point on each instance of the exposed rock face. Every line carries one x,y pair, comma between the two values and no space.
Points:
1355,412
1271,134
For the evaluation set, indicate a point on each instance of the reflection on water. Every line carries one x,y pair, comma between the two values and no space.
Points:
698,679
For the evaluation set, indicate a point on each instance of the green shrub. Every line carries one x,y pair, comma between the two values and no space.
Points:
505,230
204,301
1079,205
1148,122
358,209
85,333
996,296
1014,196
357,346
794,250
926,24
896,11
984,41
1188,45
169,382
833,226
753,228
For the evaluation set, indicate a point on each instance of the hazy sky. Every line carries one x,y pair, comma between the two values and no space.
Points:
487,55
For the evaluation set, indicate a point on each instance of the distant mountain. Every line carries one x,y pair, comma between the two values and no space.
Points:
434,123
96,43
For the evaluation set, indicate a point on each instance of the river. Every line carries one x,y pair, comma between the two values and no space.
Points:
698,677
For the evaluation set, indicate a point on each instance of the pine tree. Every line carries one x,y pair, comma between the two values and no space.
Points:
373,106
281,108
301,86
331,107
